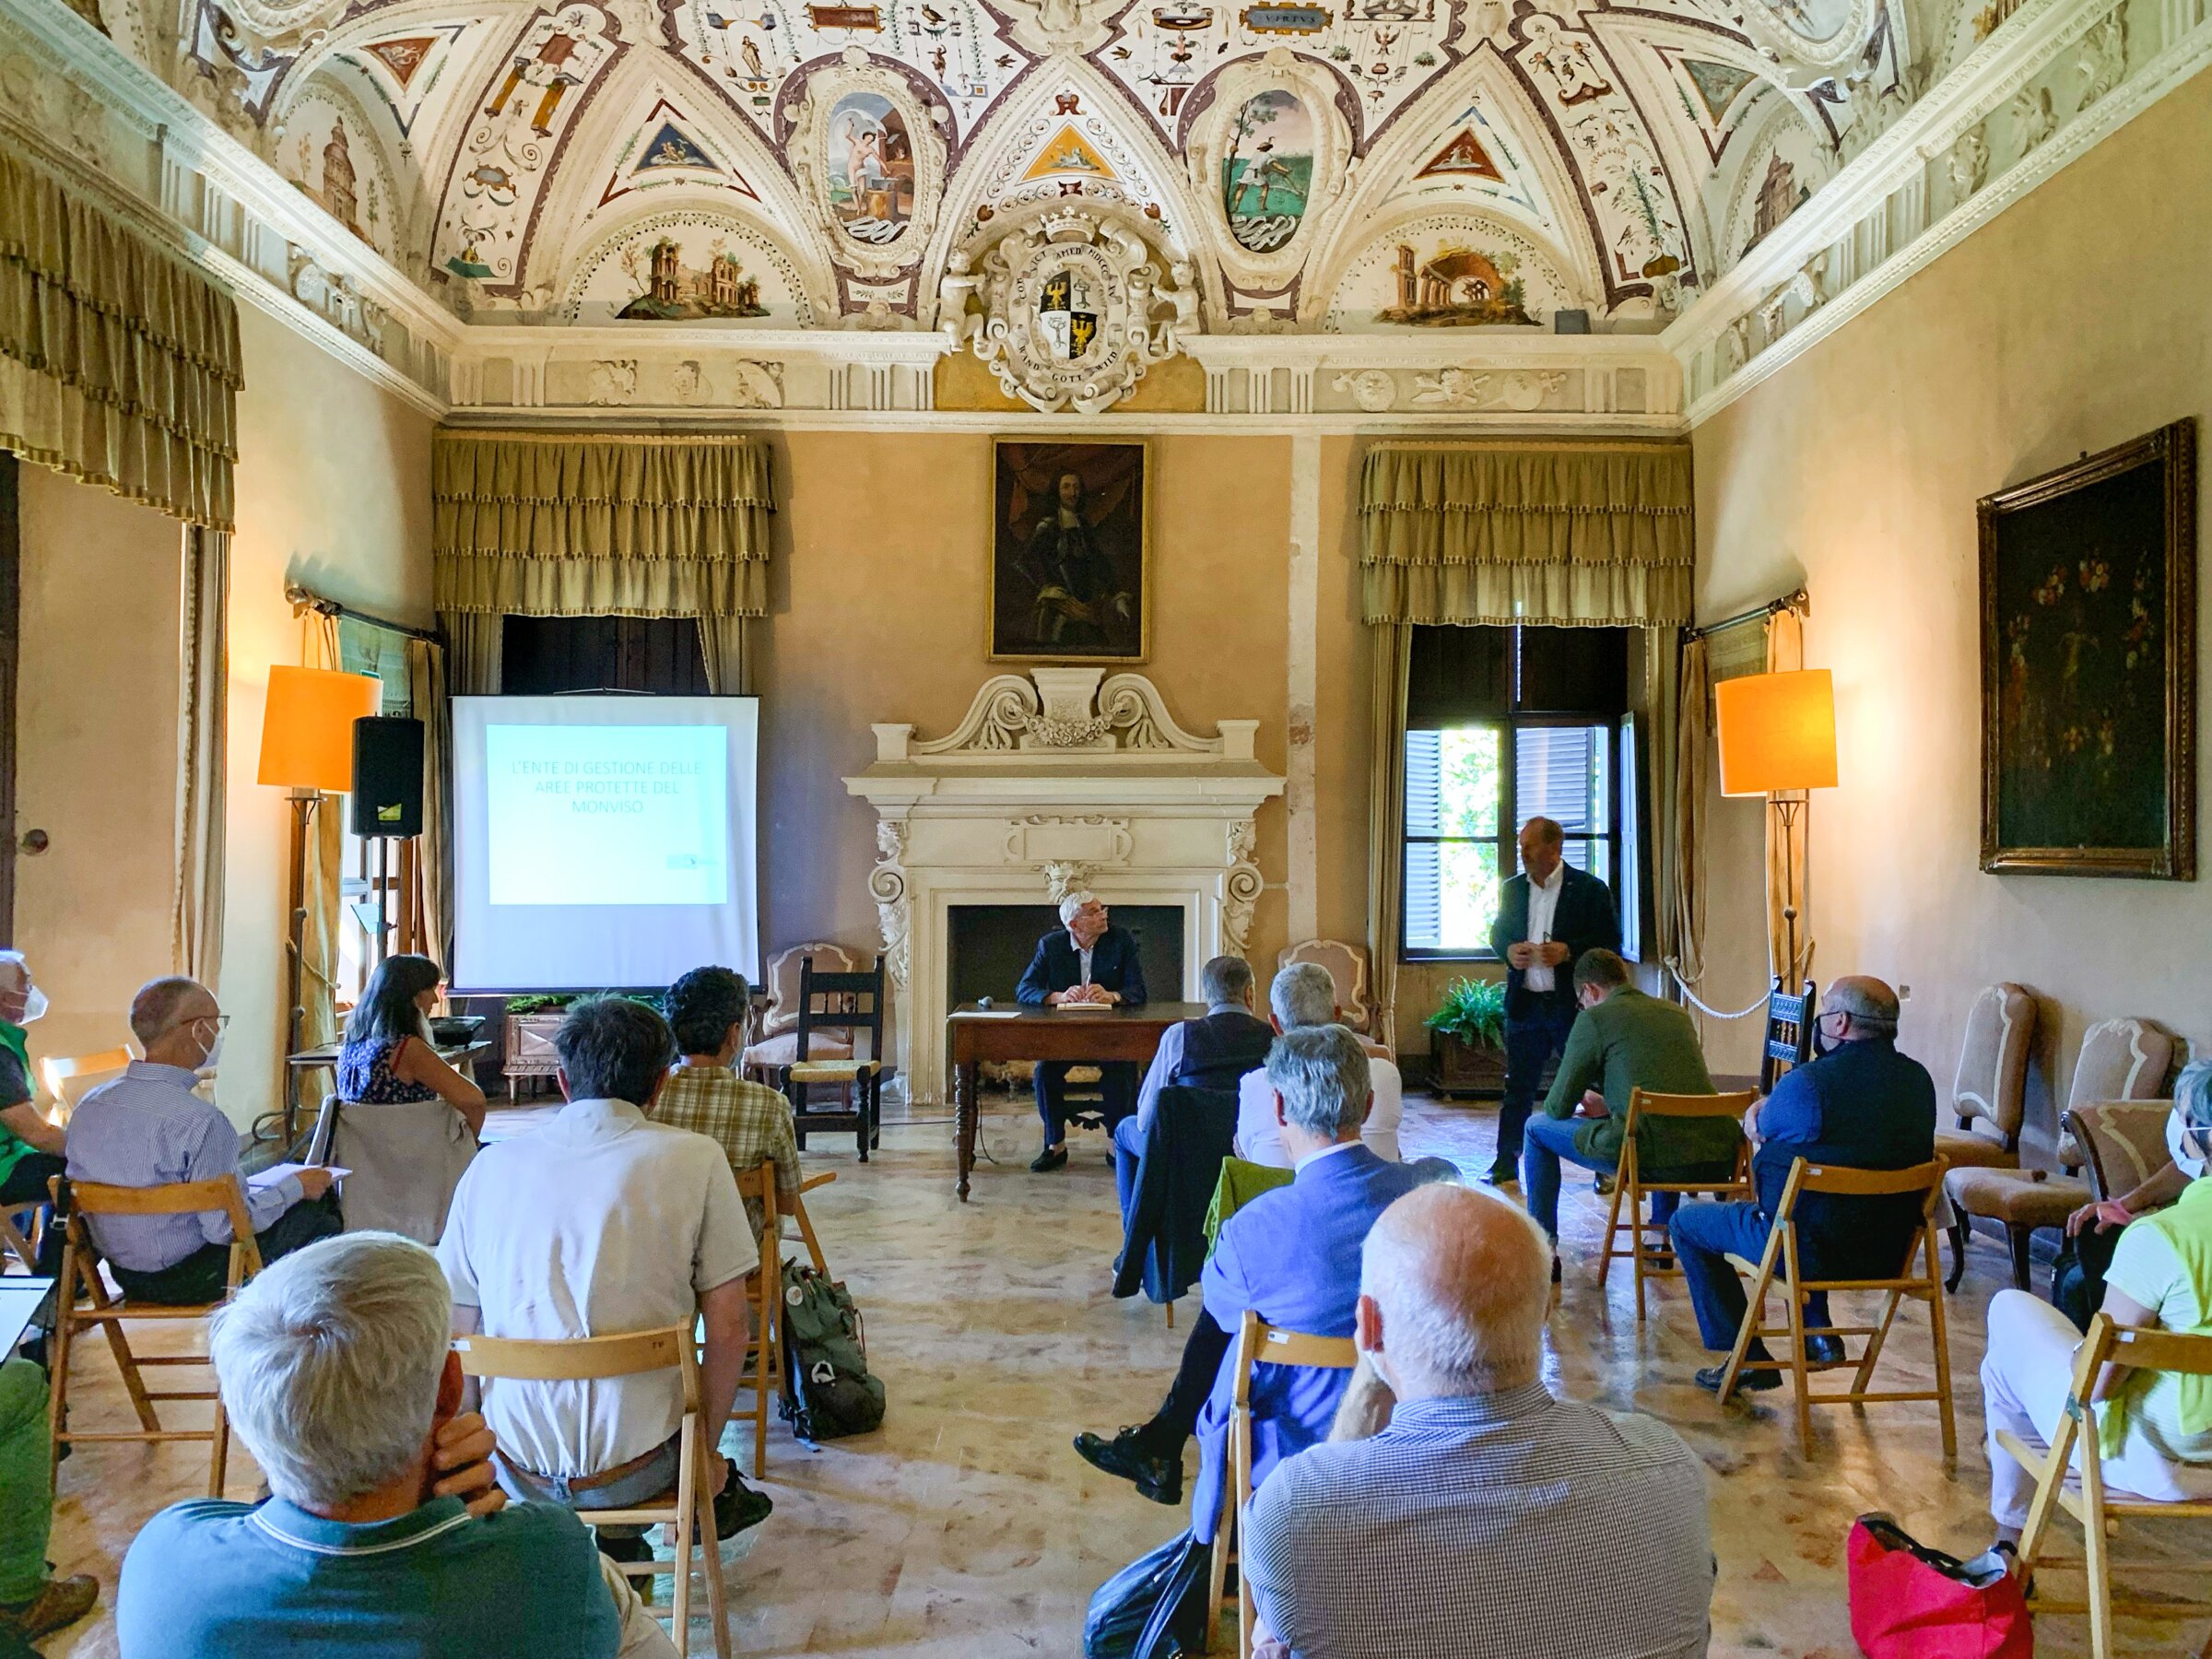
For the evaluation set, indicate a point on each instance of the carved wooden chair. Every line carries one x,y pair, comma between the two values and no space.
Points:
1348,965
1788,1042
778,1044
1989,1092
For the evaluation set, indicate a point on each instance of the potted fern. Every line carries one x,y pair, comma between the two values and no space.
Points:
1467,1045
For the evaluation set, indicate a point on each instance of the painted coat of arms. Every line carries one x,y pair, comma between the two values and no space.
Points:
1069,312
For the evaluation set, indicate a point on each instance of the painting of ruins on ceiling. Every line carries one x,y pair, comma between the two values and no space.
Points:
2088,665
671,291
870,166
1267,174
1449,270
1069,567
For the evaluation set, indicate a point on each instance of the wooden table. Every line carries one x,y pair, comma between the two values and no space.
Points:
1089,1038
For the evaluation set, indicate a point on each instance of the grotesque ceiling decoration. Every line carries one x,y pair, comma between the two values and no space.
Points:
1200,165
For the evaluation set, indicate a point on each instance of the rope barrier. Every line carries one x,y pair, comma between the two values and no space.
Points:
1675,968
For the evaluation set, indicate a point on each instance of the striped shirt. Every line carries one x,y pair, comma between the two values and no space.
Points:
147,1128
750,1122
1502,1527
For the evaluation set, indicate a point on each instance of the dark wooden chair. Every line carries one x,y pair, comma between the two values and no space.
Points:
1789,1041
851,1003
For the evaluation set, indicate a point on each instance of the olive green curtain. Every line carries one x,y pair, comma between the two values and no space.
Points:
325,855
643,525
119,364
1386,818
203,727
425,689
1592,535
1682,805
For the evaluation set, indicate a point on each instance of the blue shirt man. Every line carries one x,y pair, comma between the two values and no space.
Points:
385,1535
1861,1105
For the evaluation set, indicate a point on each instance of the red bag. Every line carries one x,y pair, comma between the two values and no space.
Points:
1911,1602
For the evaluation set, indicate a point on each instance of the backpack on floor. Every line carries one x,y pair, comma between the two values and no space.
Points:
828,1391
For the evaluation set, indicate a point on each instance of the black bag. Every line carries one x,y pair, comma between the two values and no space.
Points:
1153,1609
828,1393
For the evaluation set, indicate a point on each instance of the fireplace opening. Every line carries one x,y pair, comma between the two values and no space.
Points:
991,944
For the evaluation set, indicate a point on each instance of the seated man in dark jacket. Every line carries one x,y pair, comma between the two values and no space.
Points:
1085,960
1860,1105
1212,1051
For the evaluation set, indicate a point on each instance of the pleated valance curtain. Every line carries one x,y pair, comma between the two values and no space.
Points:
549,525
119,364
1577,534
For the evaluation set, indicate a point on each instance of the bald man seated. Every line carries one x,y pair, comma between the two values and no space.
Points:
1488,1519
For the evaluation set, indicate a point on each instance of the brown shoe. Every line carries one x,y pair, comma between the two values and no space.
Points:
60,1603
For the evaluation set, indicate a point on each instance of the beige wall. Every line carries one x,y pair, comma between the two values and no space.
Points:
2072,322
878,613
96,753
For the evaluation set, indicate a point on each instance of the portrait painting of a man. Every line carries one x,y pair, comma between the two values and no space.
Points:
1068,554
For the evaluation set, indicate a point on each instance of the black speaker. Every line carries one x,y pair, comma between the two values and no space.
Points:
387,777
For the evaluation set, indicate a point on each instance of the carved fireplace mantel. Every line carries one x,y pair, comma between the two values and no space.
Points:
1056,780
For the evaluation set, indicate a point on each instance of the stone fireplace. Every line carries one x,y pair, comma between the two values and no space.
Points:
1056,780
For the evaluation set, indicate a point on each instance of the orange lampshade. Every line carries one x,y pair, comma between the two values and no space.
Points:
1777,732
307,731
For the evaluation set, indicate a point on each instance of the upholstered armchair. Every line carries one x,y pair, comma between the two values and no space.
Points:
779,1043
1348,967
2119,1060
1989,1094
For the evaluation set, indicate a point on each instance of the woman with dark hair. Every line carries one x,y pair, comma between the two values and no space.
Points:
406,1121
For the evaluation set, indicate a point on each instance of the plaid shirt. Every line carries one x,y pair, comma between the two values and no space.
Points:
749,1120
1504,1527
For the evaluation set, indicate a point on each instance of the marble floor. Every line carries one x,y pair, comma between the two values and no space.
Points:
966,1526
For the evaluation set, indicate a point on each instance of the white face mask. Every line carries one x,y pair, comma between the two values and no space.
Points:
2190,1164
213,1053
34,1006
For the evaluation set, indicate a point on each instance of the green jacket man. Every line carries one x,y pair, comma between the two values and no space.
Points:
1622,1040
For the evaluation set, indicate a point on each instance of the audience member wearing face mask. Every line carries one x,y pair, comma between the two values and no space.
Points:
1861,1104
2157,1439
31,1147
147,1128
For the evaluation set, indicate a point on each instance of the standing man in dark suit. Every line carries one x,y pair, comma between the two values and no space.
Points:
1547,917
1085,960
1860,1104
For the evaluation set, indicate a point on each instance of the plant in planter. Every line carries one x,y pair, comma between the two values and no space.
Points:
1468,1046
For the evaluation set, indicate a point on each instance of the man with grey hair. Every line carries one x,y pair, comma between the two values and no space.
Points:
601,1222
1292,1257
1216,1051
1086,961
1859,1105
384,1531
1304,994
1391,1545
148,1128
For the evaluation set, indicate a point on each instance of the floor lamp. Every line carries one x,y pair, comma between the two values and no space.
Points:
307,748
1778,740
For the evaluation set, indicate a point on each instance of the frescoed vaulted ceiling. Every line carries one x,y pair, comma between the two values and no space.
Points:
1331,165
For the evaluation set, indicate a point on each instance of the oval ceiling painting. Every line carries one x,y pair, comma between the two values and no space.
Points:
1267,170
870,169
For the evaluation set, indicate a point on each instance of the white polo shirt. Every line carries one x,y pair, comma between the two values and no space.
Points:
602,1221
1260,1137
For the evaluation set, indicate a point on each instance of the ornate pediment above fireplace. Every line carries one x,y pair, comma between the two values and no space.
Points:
1068,711
1057,779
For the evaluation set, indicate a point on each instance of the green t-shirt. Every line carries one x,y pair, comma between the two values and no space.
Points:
15,1087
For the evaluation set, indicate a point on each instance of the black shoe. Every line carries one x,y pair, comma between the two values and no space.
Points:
1554,1266
1159,1478
1824,1351
1748,1380
737,1506
629,1552
1052,1158
1502,1173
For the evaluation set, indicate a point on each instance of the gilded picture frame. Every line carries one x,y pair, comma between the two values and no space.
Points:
2088,665
1070,552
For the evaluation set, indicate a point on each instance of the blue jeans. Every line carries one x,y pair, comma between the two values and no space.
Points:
1128,1147
1533,1040
656,1475
1705,1233
1544,1142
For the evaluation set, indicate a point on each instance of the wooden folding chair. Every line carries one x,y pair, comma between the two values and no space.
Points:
1629,1184
1258,1343
805,1223
2098,1514
1782,1252
767,1308
689,1507
75,1202
13,1244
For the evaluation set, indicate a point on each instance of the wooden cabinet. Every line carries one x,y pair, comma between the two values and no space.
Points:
528,1050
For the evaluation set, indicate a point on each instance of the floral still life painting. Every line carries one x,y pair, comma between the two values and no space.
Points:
2089,649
